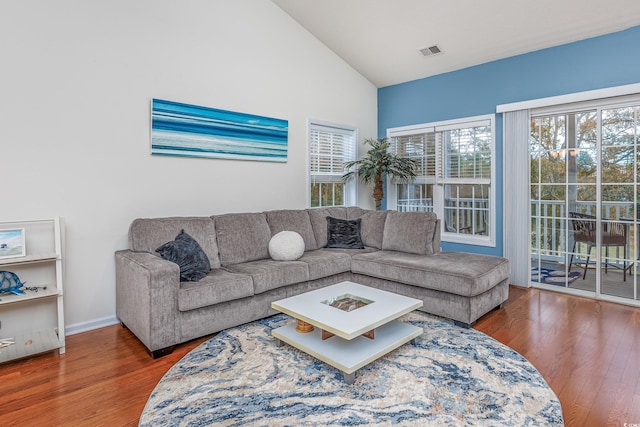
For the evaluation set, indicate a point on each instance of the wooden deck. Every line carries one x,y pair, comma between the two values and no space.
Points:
612,282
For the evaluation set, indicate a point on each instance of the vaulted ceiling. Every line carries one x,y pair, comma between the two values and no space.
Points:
381,39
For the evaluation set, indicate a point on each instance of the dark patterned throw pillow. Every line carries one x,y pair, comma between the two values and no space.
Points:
188,254
344,233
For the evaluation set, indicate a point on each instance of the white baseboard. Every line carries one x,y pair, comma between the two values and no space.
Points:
90,325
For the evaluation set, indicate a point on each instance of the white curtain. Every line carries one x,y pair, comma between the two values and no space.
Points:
517,215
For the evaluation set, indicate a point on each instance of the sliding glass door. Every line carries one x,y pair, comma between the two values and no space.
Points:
619,206
584,200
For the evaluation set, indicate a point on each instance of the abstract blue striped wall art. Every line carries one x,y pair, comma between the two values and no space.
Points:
193,131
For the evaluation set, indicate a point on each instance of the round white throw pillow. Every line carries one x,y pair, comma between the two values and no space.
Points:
286,246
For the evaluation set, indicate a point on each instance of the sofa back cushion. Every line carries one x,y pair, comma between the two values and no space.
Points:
148,234
242,237
412,232
372,227
293,220
318,218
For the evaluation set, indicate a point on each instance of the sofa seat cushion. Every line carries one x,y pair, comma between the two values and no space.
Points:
411,232
327,262
218,286
457,273
147,234
293,220
242,237
268,274
372,225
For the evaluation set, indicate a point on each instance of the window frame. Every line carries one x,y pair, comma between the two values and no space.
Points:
439,180
350,190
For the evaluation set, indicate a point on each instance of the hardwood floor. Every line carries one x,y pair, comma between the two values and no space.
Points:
588,351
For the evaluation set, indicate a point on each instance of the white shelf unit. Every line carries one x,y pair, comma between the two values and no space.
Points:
35,320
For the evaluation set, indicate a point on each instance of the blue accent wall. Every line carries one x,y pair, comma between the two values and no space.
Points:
595,63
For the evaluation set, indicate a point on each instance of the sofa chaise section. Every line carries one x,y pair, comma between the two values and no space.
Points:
456,285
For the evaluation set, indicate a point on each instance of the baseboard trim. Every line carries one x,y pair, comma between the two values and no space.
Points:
90,325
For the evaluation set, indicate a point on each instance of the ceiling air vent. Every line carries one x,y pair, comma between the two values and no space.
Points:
430,51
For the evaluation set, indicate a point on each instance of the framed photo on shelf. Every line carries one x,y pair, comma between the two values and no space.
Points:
12,243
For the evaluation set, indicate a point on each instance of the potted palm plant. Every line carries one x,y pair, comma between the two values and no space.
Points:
377,163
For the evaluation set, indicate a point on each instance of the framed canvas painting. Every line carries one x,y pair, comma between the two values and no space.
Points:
179,129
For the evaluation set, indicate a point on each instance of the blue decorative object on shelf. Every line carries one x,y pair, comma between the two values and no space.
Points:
10,283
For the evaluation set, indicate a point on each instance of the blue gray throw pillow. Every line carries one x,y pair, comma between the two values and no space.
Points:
188,254
344,233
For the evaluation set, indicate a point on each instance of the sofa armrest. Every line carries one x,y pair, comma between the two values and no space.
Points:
147,297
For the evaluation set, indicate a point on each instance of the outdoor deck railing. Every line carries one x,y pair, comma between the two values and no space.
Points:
459,214
549,219
550,223
415,205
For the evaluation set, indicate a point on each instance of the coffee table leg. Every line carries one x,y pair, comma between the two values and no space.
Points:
304,327
279,343
349,378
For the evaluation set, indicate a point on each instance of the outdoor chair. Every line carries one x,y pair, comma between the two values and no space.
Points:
450,229
463,230
584,231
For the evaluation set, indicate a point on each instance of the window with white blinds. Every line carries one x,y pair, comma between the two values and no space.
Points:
330,146
468,152
420,147
454,177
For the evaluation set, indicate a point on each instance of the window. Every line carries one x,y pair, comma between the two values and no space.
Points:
330,146
454,177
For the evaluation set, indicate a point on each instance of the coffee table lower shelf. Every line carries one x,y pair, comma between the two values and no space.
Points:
348,355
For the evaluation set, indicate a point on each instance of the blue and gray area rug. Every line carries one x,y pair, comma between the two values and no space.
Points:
449,377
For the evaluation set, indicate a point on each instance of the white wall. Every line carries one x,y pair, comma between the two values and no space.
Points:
76,80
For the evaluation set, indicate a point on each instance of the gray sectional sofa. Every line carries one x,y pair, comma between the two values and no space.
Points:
401,254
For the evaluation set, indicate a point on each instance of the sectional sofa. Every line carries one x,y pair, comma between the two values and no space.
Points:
400,253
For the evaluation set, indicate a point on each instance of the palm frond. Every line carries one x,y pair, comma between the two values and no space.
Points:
379,161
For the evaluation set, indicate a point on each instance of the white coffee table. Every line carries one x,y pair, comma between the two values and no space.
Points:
347,340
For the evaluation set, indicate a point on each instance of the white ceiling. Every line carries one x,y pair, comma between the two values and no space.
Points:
381,38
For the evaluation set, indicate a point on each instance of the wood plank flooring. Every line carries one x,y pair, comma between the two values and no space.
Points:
588,352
